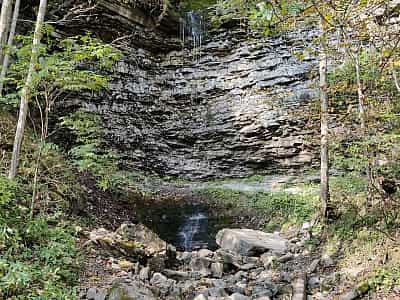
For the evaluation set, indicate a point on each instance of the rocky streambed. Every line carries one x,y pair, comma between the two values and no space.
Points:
248,264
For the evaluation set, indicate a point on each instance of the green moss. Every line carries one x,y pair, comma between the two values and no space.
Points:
130,245
196,5
281,208
386,277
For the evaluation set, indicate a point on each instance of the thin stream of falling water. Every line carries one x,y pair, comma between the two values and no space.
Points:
193,226
193,28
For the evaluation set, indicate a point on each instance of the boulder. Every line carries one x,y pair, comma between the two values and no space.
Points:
143,235
131,291
237,296
201,265
95,294
250,242
131,240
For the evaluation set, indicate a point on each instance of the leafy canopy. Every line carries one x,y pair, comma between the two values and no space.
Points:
73,64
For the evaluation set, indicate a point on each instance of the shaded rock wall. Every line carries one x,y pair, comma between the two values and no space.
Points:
239,109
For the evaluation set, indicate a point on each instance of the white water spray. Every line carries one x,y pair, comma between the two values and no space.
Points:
190,229
192,30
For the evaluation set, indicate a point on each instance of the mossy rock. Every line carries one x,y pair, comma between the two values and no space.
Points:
363,288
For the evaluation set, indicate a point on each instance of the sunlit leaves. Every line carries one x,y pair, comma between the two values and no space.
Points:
74,64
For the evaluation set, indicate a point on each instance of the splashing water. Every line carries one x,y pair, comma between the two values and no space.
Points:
193,29
193,226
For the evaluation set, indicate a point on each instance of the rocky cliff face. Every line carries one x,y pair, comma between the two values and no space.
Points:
238,109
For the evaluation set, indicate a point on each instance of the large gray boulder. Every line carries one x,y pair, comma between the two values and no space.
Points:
131,291
250,242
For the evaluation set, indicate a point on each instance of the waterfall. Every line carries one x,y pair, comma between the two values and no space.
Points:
192,30
193,226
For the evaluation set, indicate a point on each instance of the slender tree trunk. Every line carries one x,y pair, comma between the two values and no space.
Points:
9,44
26,92
396,82
363,124
4,24
361,97
324,189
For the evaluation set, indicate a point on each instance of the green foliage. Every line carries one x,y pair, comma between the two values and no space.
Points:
385,277
73,64
349,155
196,5
280,208
38,255
265,17
38,260
352,183
92,153
373,76
87,153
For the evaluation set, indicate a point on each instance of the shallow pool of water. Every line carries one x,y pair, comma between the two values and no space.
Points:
186,225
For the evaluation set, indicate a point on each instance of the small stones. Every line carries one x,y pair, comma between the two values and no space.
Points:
95,294
314,282
313,266
299,288
200,297
217,269
126,265
158,278
144,274
219,275
205,253
237,296
268,260
129,291
327,261
216,292
201,264
285,258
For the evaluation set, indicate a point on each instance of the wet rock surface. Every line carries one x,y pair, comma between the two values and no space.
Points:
235,108
239,109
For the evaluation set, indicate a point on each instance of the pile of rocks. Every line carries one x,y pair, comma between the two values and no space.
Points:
244,267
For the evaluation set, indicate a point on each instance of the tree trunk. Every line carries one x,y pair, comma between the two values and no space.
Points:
361,97
26,92
324,189
396,82
5,16
363,124
9,44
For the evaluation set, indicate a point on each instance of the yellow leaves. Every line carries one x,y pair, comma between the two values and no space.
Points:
328,17
387,52
396,63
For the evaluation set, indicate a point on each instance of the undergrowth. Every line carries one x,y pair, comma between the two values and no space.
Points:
90,152
38,254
